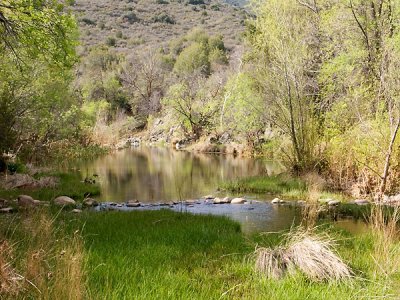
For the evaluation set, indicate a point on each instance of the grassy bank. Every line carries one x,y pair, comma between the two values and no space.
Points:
70,185
167,255
284,186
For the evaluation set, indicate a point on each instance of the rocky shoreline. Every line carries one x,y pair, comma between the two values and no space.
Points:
24,202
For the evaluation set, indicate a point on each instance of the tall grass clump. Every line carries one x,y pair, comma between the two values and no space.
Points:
38,260
310,253
386,234
312,209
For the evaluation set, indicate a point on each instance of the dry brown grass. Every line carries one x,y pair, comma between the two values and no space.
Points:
311,254
310,212
386,234
41,263
10,281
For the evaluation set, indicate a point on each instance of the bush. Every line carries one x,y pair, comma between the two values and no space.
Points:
195,2
163,18
130,18
111,41
193,58
88,21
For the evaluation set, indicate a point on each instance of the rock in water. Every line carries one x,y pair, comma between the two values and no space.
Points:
276,201
64,201
226,200
89,202
25,201
133,203
238,201
217,201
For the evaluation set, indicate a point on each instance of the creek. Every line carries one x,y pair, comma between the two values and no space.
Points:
157,175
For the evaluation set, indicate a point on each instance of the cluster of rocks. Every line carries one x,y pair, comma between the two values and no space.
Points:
171,204
24,202
327,201
229,200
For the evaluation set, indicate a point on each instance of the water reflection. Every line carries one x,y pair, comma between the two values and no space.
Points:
153,174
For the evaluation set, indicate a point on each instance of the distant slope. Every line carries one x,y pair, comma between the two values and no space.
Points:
239,3
135,24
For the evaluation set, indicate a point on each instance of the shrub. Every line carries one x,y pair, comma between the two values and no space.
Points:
111,41
130,18
88,21
163,18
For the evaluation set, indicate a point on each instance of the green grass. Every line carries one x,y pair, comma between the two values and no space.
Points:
283,186
278,185
167,255
70,185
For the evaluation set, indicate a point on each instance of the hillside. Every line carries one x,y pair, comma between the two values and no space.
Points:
135,24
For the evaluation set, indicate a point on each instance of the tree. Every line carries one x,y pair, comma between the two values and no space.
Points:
37,51
38,28
194,103
144,79
243,109
284,41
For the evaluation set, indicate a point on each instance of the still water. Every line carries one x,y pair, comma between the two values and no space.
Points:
155,175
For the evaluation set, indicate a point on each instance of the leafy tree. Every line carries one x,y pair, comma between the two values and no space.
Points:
243,109
38,28
194,103
283,37
37,51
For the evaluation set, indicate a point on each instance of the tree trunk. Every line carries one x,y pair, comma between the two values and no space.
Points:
385,174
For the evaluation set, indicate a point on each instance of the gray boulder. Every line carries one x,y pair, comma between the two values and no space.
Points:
89,202
6,210
25,201
64,201
238,201
133,203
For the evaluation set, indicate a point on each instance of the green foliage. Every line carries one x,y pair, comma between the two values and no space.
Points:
163,18
192,104
37,29
193,58
243,109
276,185
111,41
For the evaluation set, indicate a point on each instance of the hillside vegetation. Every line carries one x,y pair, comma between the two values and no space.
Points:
133,24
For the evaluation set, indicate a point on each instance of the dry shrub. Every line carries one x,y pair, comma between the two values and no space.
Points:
69,278
311,211
314,256
50,263
311,254
386,239
10,281
272,262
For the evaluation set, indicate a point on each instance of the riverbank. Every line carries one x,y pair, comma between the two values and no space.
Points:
167,255
54,184
284,186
